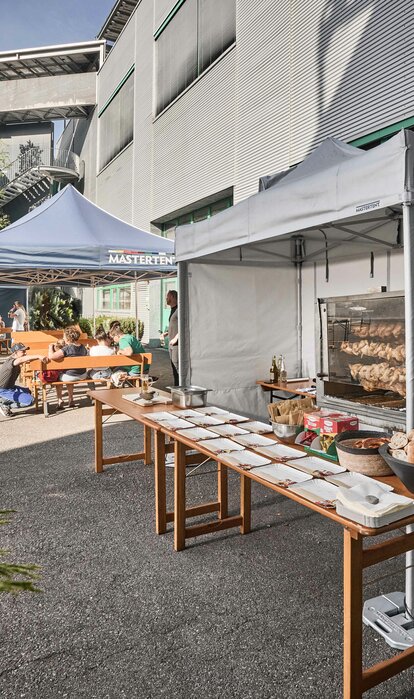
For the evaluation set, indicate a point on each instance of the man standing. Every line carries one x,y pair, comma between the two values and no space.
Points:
10,394
172,332
18,314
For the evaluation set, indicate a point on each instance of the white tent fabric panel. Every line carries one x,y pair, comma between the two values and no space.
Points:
237,323
336,182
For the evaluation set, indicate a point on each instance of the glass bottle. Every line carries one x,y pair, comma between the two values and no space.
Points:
282,370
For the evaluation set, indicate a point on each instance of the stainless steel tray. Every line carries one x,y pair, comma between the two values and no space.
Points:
189,396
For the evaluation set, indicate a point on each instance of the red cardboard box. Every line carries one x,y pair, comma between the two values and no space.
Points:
338,424
313,421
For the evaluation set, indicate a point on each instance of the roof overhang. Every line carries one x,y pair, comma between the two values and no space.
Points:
117,19
47,61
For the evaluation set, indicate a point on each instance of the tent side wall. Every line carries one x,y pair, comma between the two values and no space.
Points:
239,317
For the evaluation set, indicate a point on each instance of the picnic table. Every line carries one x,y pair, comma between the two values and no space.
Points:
356,557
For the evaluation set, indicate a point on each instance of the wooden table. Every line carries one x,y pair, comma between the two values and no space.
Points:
356,557
295,387
163,444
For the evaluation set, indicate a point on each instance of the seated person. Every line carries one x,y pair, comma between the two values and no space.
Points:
10,393
71,348
102,349
2,329
127,345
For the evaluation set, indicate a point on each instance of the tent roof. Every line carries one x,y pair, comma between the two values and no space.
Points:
68,239
338,194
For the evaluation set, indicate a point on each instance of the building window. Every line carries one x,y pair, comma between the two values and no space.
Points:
116,121
198,33
125,298
168,227
106,298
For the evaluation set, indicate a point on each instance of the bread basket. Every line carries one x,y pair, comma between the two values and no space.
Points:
366,461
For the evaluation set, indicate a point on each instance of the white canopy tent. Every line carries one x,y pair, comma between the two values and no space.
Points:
243,268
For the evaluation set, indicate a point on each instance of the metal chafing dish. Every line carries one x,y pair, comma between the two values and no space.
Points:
361,357
189,396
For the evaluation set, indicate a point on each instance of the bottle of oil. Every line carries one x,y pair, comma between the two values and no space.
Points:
274,373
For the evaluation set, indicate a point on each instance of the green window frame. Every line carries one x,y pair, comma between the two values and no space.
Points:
376,137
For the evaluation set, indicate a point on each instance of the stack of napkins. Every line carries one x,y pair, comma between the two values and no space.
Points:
354,499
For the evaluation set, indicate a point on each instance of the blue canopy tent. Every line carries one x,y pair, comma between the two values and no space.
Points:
68,240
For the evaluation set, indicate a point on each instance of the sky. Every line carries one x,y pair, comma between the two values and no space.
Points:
32,23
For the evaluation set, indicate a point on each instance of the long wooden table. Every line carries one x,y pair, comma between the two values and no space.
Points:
295,387
356,557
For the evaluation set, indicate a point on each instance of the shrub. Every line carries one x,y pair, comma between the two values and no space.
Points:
86,326
127,324
52,308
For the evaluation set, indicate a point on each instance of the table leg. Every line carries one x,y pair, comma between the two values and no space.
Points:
245,504
147,445
222,490
98,437
179,496
160,484
352,615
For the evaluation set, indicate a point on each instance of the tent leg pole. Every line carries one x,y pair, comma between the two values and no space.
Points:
183,340
136,305
408,227
374,609
93,308
300,313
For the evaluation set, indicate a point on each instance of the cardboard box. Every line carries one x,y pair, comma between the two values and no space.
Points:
313,421
337,424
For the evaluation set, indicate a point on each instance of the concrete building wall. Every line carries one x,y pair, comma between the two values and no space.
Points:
34,93
114,191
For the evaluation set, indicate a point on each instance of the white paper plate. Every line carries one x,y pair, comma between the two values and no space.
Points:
282,475
212,410
159,417
348,480
228,430
175,424
245,459
219,446
184,413
279,451
318,467
253,440
318,491
205,420
197,433
257,427
233,418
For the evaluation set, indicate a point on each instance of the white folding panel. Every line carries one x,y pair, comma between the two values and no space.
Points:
239,318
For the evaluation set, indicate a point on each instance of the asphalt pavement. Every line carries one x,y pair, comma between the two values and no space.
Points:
121,615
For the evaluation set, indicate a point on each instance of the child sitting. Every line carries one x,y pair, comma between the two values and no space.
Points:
103,348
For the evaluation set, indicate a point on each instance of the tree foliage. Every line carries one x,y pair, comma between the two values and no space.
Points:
52,308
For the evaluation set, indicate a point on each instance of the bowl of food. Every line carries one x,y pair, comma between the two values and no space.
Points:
359,451
399,455
286,433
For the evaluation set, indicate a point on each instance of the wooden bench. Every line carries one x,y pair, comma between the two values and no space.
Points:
117,360
43,336
7,342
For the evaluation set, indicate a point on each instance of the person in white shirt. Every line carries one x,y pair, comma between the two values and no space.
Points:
18,313
103,348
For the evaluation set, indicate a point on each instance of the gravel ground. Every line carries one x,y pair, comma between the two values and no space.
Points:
122,615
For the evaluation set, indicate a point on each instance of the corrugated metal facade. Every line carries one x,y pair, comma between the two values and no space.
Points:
299,72
161,11
114,191
142,164
194,141
118,62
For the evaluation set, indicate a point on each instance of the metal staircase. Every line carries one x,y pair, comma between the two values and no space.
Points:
37,166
